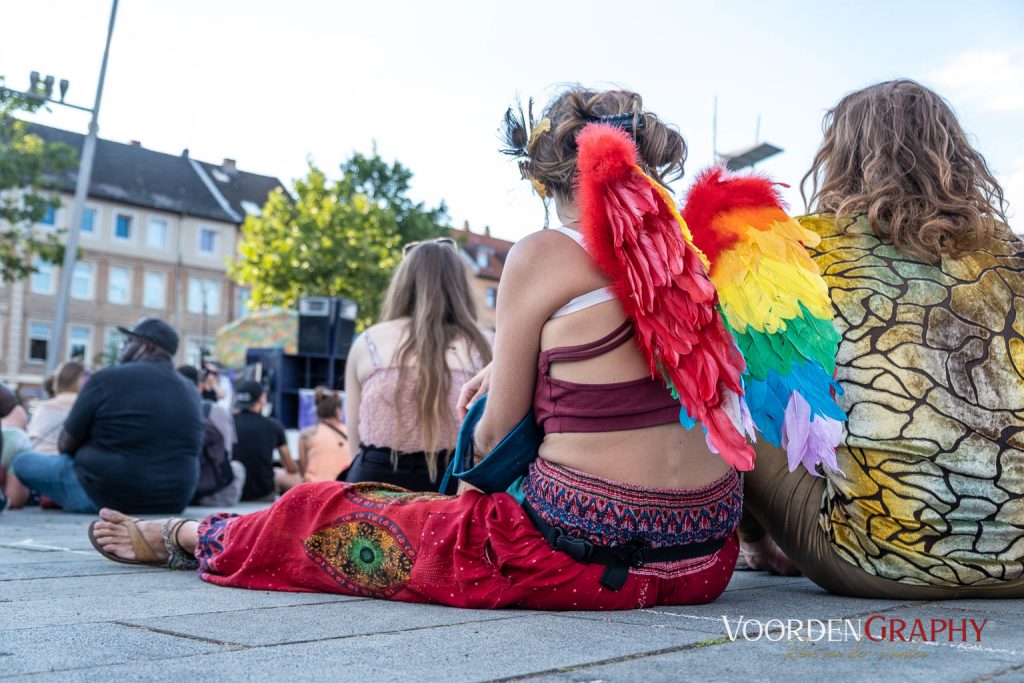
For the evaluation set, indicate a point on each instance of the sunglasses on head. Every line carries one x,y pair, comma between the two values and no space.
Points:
448,241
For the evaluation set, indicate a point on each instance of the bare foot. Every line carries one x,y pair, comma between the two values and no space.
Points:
112,534
766,555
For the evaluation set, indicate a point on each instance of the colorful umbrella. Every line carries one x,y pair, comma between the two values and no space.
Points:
265,329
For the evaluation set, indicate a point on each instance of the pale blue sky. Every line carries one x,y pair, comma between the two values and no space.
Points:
272,83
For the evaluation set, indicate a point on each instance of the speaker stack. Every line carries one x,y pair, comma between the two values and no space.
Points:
326,325
316,320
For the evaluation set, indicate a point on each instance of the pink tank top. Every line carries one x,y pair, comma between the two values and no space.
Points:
386,424
562,406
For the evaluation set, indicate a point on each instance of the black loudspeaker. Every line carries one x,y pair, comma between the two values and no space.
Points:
316,317
345,311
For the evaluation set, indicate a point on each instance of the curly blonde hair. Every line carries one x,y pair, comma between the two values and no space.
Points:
896,153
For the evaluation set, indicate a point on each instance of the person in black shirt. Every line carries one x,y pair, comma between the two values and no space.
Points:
258,436
133,438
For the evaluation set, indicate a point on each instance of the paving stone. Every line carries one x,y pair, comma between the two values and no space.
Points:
796,598
21,571
467,652
115,605
319,622
768,662
31,650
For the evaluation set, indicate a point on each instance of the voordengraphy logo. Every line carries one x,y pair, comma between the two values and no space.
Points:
876,628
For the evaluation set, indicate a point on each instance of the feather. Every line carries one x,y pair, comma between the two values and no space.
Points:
638,239
776,307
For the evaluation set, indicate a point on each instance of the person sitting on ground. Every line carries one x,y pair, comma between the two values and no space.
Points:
46,422
618,481
8,401
323,448
220,478
403,375
132,438
257,439
927,283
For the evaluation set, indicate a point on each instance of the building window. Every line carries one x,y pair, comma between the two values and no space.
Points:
208,241
242,298
156,234
89,221
122,227
119,285
492,297
154,290
44,280
483,257
113,340
203,296
50,217
197,348
38,341
83,281
79,342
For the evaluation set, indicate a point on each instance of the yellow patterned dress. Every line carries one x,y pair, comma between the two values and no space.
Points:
932,363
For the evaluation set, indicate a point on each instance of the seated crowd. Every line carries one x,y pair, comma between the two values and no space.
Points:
926,283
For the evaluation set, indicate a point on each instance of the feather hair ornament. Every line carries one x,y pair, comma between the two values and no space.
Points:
636,236
777,307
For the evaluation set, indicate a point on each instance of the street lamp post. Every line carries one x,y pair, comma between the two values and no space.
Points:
60,315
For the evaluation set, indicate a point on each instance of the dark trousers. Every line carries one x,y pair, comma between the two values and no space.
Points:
374,464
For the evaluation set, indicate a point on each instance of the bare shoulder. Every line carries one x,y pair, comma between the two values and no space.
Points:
557,255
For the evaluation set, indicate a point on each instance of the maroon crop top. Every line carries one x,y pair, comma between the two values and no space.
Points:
561,406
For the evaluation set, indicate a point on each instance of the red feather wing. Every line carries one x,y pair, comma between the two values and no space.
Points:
636,237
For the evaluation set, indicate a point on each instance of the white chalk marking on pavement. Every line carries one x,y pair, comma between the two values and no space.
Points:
30,544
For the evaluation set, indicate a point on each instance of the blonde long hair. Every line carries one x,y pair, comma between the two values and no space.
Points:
431,288
896,153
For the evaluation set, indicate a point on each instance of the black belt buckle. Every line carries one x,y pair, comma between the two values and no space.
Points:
577,548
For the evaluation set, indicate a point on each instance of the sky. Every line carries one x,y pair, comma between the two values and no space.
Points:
276,85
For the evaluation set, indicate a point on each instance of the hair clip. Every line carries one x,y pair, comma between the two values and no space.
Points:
542,126
623,121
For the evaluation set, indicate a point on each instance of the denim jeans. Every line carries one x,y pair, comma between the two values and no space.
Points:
54,476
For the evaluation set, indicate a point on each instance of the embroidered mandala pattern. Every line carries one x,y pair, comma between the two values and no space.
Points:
377,496
366,554
932,362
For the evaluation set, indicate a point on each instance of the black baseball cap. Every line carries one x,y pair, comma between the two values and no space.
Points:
155,331
248,393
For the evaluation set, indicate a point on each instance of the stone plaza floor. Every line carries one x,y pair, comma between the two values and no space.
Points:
66,614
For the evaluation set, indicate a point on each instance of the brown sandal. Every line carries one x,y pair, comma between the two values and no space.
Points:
145,554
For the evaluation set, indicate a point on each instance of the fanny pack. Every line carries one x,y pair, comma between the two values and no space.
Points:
504,465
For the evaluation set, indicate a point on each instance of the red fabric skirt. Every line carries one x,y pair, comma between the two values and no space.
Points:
474,550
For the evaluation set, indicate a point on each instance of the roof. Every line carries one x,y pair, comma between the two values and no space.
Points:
472,243
132,174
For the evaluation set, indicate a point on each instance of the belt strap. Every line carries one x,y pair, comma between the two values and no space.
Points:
619,558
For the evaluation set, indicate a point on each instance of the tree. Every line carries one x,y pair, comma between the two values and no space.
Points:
30,169
334,238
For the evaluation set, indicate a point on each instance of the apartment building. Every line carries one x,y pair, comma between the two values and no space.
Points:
156,237
486,257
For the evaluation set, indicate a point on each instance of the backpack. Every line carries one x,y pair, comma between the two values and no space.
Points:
214,462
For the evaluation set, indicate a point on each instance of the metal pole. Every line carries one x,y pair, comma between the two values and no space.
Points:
54,352
714,131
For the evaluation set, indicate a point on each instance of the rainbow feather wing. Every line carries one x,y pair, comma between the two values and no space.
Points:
777,307
637,237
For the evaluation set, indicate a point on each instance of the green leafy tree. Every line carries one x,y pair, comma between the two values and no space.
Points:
29,173
334,237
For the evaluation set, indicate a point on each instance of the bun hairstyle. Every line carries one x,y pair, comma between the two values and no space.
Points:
896,153
328,403
547,148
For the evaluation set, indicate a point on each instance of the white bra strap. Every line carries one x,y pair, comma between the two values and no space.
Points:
592,298
569,232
